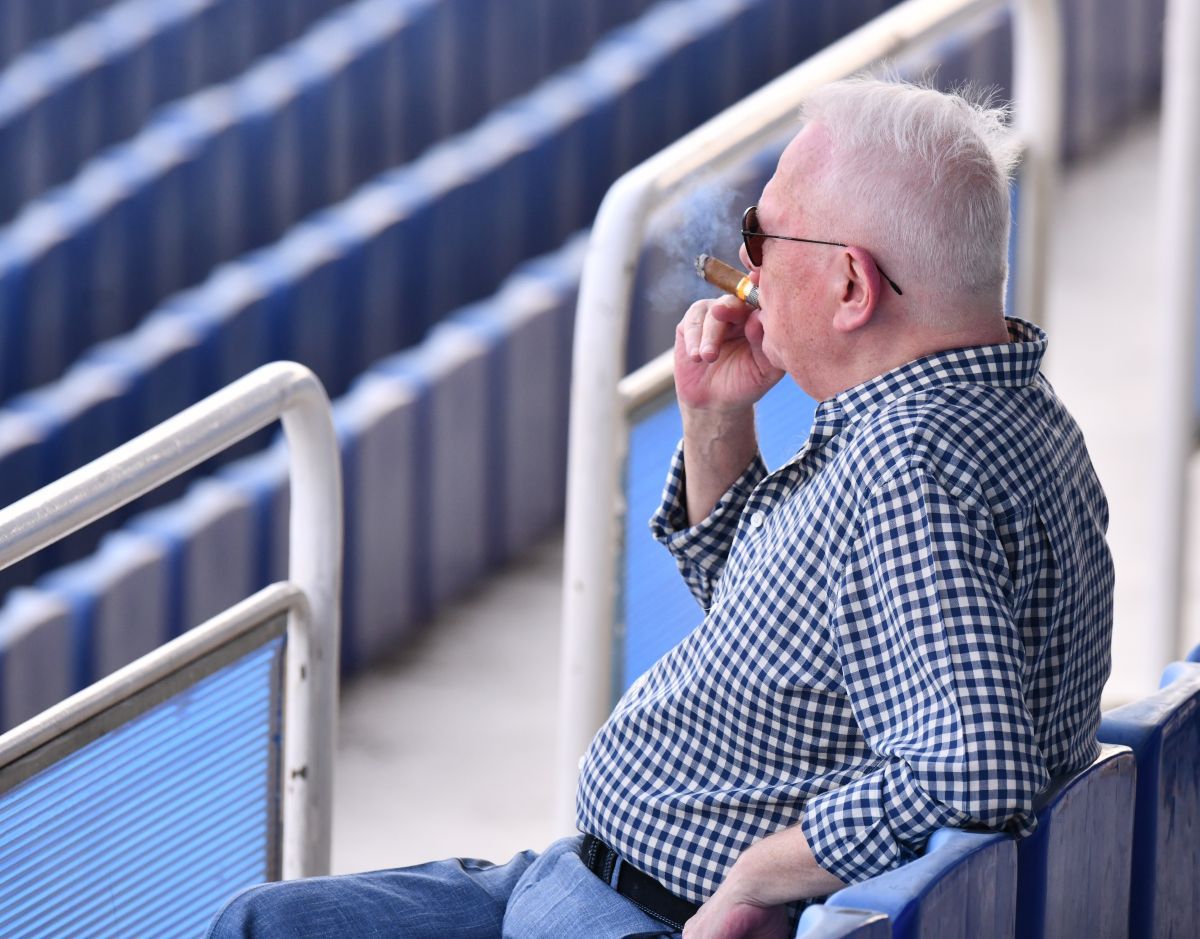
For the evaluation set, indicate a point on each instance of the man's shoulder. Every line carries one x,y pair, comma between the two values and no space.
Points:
973,439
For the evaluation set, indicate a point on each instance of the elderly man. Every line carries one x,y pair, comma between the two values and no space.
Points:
906,626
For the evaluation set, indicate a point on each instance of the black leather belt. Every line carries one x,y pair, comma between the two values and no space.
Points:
642,890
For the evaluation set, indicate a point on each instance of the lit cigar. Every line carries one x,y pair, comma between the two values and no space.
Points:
728,279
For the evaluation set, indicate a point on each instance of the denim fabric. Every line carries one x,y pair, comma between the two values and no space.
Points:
550,896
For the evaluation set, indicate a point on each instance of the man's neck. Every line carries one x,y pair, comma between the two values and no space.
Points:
886,350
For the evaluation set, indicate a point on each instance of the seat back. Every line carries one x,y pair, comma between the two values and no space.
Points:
1163,731
1073,872
823,922
964,886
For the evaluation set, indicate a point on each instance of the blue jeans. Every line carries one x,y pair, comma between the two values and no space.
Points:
552,895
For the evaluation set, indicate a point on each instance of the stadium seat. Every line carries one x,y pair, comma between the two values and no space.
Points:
382,427
1164,732
963,887
822,922
207,537
36,654
1074,871
118,599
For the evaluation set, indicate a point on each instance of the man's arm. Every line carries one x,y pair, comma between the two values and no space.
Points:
720,372
931,661
751,901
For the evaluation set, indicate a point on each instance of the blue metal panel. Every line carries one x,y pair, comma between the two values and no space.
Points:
821,922
147,829
964,887
659,610
1164,732
1074,872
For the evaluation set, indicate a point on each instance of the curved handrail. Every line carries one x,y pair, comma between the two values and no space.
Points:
281,390
596,425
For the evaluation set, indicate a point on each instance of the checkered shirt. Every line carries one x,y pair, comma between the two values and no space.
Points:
906,627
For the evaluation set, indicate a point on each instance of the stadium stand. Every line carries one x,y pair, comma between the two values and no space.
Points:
329,292
95,84
477,386
245,161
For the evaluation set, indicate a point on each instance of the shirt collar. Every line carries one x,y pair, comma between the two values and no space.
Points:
1011,364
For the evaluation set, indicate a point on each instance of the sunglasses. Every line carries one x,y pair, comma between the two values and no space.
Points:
753,237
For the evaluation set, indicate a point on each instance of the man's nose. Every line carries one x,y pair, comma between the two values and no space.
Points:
745,256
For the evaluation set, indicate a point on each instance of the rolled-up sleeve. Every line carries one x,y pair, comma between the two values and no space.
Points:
701,550
932,664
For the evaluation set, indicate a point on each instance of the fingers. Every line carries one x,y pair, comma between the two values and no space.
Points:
708,323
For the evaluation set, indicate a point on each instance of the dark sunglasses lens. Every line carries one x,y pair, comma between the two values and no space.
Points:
752,236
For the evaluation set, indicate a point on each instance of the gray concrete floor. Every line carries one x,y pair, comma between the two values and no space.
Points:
448,749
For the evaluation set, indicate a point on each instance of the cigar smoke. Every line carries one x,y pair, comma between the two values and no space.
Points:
701,218
727,278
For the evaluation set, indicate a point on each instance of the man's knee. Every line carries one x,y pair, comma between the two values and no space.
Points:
257,911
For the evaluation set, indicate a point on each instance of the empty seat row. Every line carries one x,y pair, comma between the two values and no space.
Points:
96,84
453,458
231,168
25,22
365,278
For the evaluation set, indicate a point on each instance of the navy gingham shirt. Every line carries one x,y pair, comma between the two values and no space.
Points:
907,627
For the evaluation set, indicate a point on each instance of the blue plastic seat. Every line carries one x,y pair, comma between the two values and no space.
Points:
1073,872
964,887
1163,730
119,601
207,538
36,655
823,922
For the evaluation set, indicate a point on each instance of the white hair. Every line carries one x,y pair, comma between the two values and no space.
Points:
922,177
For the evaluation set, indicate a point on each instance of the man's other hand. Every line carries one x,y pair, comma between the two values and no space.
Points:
726,916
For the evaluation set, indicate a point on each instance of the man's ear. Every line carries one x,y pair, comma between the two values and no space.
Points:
859,292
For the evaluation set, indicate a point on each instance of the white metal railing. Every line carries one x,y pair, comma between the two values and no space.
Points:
1172,402
598,431
282,390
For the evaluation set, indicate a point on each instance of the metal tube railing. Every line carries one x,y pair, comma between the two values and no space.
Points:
598,436
281,390
1172,404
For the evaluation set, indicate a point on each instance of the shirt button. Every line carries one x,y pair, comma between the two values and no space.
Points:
757,519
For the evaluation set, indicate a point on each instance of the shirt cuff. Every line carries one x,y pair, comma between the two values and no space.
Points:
872,825
705,544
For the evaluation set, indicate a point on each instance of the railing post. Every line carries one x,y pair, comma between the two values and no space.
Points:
1172,404
1038,96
